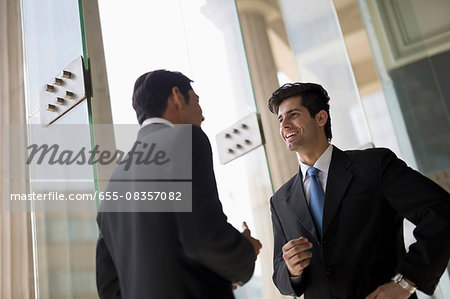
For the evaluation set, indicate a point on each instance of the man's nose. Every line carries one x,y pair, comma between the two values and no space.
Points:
284,124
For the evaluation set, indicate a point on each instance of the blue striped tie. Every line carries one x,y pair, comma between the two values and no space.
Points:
317,199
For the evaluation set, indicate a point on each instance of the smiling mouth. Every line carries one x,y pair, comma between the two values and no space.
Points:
290,135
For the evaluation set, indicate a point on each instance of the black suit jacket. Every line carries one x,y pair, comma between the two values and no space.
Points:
368,195
172,255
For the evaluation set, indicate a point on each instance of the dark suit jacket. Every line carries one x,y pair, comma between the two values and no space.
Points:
368,195
172,255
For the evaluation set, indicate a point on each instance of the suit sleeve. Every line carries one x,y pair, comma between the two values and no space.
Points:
107,280
281,277
427,205
205,233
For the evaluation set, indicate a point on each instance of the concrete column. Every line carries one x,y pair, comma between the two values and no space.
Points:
16,258
282,163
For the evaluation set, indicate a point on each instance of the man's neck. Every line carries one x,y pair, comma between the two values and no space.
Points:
309,156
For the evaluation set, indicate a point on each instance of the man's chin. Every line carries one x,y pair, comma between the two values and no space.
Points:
290,147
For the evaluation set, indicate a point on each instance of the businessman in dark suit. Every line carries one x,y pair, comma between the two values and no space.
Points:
338,222
169,254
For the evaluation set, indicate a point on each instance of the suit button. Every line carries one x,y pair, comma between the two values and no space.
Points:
328,271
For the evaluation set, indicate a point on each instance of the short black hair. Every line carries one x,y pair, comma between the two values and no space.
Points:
152,90
313,97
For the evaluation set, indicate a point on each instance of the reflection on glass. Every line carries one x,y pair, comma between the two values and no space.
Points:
316,39
64,241
412,61
52,39
221,79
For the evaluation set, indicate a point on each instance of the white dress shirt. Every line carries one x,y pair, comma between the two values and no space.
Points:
157,120
323,165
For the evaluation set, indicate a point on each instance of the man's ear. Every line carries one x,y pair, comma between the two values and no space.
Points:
321,117
177,98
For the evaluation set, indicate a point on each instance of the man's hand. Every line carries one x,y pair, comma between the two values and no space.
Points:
296,256
255,242
390,290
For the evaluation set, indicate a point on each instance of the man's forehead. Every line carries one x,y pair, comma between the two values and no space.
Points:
290,104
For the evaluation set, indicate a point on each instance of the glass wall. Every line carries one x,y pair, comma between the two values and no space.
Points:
201,39
63,240
410,41
320,56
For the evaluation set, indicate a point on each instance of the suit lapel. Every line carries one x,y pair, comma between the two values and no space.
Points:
297,202
339,179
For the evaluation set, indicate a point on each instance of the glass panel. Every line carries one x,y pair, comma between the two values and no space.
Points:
64,241
410,41
410,44
52,40
222,81
321,57
366,77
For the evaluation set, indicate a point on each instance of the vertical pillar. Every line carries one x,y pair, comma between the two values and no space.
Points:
100,100
282,163
16,259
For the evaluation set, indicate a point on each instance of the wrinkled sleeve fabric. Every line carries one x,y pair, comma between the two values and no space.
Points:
205,233
426,205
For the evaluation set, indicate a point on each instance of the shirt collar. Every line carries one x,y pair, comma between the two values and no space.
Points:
323,163
157,120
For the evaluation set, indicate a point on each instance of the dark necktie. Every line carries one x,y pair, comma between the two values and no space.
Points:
317,199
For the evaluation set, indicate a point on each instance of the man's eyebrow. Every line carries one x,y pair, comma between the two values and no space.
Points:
287,112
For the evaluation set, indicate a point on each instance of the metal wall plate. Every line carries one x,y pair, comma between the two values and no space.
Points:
240,138
64,91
